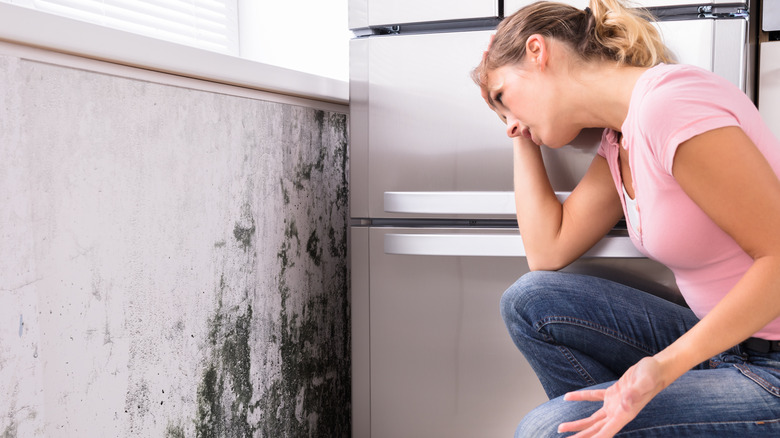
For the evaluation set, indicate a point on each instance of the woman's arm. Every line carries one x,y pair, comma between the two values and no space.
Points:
555,235
726,175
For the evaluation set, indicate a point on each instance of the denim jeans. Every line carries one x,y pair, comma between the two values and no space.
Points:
578,331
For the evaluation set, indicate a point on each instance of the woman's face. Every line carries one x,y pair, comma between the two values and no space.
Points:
508,96
526,99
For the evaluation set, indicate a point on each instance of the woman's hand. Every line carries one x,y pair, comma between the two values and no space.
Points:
622,401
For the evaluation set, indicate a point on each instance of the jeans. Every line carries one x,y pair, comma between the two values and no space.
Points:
578,331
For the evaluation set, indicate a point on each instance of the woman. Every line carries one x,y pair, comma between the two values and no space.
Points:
687,159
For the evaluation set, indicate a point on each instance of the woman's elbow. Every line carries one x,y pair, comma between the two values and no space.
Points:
540,262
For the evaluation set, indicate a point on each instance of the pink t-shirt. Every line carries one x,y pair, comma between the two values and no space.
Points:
669,105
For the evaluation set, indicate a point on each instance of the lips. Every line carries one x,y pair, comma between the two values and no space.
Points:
527,134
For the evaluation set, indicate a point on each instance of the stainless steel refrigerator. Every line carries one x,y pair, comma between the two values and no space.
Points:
434,241
768,94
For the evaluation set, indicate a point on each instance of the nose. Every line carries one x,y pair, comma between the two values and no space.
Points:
513,127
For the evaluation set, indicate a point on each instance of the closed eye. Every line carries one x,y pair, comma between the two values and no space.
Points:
495,99
500,106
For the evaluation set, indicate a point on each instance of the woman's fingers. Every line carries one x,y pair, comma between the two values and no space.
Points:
583,424
586,395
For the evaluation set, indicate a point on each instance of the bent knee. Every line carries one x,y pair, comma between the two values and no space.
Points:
543,421
532,288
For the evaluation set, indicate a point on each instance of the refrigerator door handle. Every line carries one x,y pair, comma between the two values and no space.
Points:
492,245
462,203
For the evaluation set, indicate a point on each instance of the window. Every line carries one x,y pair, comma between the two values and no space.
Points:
207,24
305,35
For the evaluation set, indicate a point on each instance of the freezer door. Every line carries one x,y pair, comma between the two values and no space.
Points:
511,6
718,45
441,361
384,12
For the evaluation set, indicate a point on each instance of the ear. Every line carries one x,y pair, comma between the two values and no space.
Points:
536,51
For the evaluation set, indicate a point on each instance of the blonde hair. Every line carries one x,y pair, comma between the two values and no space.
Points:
606,30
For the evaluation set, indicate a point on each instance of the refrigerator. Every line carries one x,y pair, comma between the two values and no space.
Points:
769,65
433,234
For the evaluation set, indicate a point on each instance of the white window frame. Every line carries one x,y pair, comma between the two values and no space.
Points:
22,25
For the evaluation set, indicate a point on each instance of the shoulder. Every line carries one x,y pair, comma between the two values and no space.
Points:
673,103
678,86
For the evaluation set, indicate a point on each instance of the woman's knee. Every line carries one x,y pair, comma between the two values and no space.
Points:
543,421
530,292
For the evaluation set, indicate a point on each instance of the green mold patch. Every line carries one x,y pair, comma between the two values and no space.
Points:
299,385
225,390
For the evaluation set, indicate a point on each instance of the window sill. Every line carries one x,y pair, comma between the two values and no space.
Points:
39,29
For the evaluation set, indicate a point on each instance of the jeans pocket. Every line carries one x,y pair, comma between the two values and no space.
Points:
769,379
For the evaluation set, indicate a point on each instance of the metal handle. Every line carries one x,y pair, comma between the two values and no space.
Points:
492,245
462,203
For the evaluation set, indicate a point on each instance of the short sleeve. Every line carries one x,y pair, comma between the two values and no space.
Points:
681,104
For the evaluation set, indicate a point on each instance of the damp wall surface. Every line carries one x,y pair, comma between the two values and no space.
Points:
173,260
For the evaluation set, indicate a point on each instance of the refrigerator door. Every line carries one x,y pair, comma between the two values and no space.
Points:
769,85
770,15
441,360
383,12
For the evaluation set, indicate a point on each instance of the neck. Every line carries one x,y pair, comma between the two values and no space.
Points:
603,93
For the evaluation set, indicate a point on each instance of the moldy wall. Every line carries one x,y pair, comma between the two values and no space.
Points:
173,261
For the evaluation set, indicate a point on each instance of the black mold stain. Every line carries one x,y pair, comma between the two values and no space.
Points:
302,174
312,395
244,235
319,119
12,429
341,154
290,233
245,228
308,390
210,413
237,363
227,376
285,193
137,402
313,248
174,431
304,170
318,380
